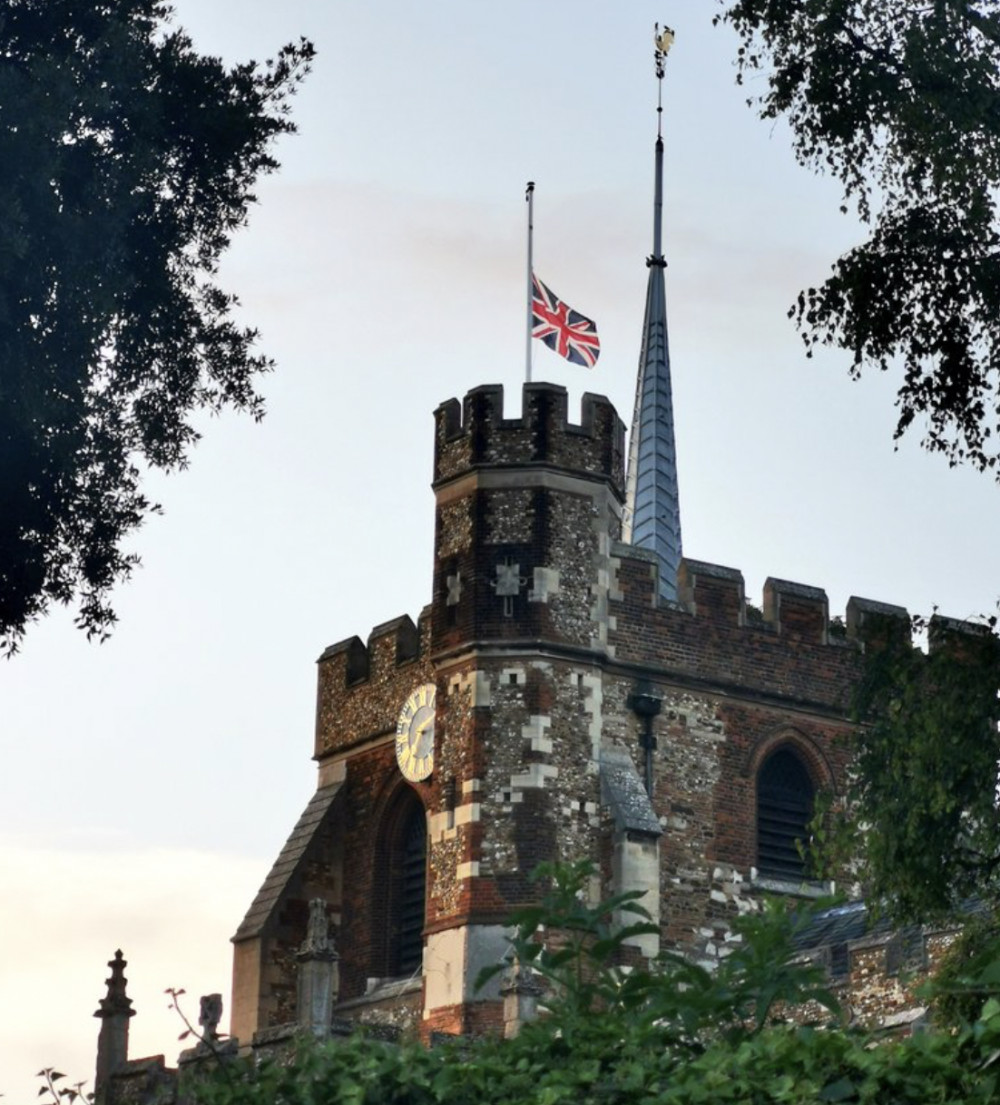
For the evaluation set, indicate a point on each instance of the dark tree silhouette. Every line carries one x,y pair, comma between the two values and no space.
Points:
127,160
900,101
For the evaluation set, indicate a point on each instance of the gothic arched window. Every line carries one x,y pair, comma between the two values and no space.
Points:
407,925
785,799
402,879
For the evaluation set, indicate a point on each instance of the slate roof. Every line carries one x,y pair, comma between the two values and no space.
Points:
836,928
287,863
623,792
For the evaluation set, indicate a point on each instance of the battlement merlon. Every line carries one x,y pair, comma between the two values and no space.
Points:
476,433
712,591
877,622
360,686
972,642
796,609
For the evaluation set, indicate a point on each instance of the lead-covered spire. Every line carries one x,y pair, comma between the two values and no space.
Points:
652,504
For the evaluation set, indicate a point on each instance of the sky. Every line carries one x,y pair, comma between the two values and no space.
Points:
149,782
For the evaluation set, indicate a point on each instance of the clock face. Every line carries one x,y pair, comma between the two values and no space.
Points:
415,734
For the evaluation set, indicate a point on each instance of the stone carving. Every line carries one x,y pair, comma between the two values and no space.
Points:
210,1016
521,991
319,973
317,944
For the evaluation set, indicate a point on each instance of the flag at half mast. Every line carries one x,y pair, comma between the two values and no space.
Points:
564,330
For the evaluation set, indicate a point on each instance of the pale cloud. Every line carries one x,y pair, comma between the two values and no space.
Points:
64,913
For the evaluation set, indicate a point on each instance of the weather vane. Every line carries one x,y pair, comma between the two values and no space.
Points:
662,41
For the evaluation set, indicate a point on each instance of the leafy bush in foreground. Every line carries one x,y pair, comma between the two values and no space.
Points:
674,1035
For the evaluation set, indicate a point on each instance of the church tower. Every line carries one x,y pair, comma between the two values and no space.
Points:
527,510
652,512
574,689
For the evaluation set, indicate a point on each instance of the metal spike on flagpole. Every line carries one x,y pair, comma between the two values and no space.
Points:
529,195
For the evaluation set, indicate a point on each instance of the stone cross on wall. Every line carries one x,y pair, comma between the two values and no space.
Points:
508,584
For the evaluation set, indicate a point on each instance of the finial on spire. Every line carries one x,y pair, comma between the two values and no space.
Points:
662,41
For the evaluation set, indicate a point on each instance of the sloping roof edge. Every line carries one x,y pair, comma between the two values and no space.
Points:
287,863
623,792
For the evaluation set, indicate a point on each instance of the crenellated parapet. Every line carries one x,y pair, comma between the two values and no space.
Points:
788,647
361,684
475,433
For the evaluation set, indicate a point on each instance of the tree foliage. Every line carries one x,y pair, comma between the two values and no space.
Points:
969,973
901,102
674,1035
128,160
579,951
920,821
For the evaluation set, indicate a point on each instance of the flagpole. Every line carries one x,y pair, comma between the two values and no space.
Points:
529,195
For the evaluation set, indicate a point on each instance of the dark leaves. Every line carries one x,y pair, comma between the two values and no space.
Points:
132,161
924,796
902,103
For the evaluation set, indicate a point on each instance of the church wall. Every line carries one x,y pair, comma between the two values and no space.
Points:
541,631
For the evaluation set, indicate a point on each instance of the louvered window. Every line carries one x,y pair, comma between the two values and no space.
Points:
406,953
784,809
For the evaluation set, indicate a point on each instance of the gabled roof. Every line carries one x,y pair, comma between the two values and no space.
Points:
287,863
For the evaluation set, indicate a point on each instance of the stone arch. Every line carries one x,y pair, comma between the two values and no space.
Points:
811,754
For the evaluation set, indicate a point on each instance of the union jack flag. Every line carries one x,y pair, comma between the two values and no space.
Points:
561,328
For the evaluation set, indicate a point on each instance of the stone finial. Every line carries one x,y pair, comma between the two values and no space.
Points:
318,974
209,1016
116,1000
114,1013
520,990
